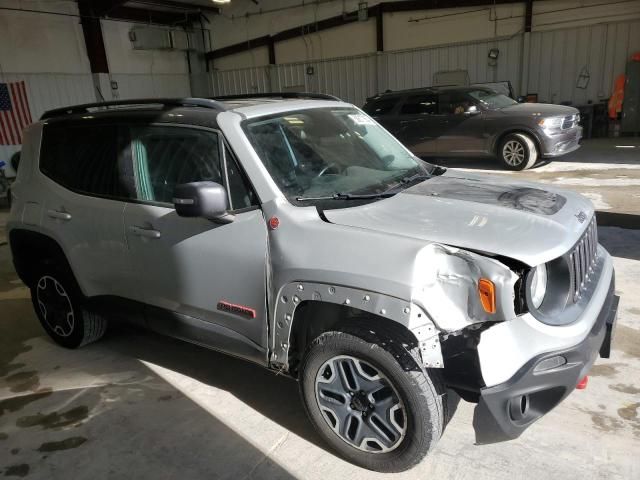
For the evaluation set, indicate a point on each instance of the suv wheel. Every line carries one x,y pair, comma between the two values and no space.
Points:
370,409
518,151
57,301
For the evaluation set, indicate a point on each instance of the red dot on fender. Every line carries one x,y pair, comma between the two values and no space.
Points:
274,223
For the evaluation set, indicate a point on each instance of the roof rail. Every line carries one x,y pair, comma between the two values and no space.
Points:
166,102
314,96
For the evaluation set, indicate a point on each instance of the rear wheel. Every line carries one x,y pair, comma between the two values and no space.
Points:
58,303
517,151
368,407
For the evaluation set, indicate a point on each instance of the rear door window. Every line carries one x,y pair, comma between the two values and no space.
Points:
84,159
420,105
381,106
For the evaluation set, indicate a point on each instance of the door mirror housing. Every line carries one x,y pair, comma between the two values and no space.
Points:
472,110
202,199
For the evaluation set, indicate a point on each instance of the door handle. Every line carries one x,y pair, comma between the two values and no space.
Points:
57,214
145,232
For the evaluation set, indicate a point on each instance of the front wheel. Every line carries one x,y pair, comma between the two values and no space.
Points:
517,151
370,409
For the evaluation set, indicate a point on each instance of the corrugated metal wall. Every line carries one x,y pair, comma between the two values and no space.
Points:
556,59
156,85
416,68
49,90
352,78
356,78
245,80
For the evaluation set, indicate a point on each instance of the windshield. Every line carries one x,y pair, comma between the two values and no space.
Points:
331,151
492,100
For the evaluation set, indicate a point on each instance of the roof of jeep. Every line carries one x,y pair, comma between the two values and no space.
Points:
195,111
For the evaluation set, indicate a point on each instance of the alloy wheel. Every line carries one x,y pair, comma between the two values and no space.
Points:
55,306
513,153
360,404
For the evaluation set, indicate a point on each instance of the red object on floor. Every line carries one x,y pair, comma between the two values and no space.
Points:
582,384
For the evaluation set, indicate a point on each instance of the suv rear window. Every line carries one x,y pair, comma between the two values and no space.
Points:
82,158
381,106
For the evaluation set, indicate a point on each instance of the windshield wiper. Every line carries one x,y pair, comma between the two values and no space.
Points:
416,177
348,196
366,196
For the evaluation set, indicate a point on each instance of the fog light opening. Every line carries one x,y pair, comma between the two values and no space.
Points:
550,363
519,407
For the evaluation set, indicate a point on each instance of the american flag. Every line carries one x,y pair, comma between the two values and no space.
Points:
15,114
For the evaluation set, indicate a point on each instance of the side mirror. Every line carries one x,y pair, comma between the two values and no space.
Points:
472,110
202,199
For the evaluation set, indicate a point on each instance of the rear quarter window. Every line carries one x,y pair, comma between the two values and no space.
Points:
381,106
83,159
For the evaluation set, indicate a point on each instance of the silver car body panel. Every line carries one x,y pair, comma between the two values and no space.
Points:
88,229
507,346
410,315
475,220
194,264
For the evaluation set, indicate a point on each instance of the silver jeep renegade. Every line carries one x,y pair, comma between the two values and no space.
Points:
293,231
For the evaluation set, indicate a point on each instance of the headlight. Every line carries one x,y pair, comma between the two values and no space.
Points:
538,285
551,123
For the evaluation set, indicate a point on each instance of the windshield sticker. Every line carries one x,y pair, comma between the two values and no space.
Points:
360,119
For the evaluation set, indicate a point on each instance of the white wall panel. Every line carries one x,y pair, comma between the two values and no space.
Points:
146,85
350,78
416,68
559,56
245,80
49,90
39,42
123,58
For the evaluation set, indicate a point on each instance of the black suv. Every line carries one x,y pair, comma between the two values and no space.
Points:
477,122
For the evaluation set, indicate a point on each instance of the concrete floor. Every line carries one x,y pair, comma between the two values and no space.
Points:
138,405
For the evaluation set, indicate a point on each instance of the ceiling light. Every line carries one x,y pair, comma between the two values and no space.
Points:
220,2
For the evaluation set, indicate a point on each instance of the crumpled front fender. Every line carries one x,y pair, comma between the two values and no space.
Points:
446,286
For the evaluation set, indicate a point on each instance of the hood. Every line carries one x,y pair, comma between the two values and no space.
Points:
540,109
528,222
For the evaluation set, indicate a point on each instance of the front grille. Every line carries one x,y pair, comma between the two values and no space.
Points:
583,258
570,121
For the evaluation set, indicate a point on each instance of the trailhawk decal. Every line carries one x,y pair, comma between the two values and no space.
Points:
237,309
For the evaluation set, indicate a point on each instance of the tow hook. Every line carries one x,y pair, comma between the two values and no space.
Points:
582,384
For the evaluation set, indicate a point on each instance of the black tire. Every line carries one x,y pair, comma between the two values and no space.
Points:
55,294
517,151
423,415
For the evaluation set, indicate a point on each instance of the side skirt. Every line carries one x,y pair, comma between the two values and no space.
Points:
177,325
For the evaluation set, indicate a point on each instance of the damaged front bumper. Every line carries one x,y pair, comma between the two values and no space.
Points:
505,410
